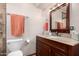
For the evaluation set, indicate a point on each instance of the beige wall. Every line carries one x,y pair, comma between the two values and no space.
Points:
33,24
74,16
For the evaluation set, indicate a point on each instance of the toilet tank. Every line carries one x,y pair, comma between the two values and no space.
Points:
14,44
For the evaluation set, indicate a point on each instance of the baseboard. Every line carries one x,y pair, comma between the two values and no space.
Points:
31,54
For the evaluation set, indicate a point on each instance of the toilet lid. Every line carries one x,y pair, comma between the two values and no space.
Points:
16,53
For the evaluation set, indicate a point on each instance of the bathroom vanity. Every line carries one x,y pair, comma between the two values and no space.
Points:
56,46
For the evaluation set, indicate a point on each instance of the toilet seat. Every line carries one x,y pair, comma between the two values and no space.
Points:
16,53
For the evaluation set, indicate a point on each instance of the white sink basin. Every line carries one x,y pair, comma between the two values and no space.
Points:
54,37
64,40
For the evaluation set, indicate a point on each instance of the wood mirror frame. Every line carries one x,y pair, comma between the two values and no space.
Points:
67,30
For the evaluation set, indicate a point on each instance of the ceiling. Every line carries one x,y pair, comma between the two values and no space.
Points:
44,6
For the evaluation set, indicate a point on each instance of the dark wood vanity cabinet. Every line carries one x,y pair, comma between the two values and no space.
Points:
43,49
47,47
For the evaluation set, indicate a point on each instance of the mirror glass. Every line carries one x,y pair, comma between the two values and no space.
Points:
59,19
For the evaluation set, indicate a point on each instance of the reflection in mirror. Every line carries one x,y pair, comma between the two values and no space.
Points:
59,19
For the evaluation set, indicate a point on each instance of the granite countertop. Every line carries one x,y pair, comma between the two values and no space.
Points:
68,41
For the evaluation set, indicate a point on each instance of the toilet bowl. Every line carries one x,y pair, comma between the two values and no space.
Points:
14,46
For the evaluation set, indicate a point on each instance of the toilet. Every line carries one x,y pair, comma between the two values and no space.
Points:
16,53
14,46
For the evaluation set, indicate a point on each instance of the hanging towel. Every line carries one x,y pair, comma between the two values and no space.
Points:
45,27
17,25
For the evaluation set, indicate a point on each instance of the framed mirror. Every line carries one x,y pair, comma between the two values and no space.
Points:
60,19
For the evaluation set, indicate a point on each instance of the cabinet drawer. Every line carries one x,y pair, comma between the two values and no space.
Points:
58,52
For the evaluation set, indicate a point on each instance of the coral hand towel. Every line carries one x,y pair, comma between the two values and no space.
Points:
17,25
46,26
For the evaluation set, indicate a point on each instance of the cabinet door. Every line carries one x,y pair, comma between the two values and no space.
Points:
57,52
43,49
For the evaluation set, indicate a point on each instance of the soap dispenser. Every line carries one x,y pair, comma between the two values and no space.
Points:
74,33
